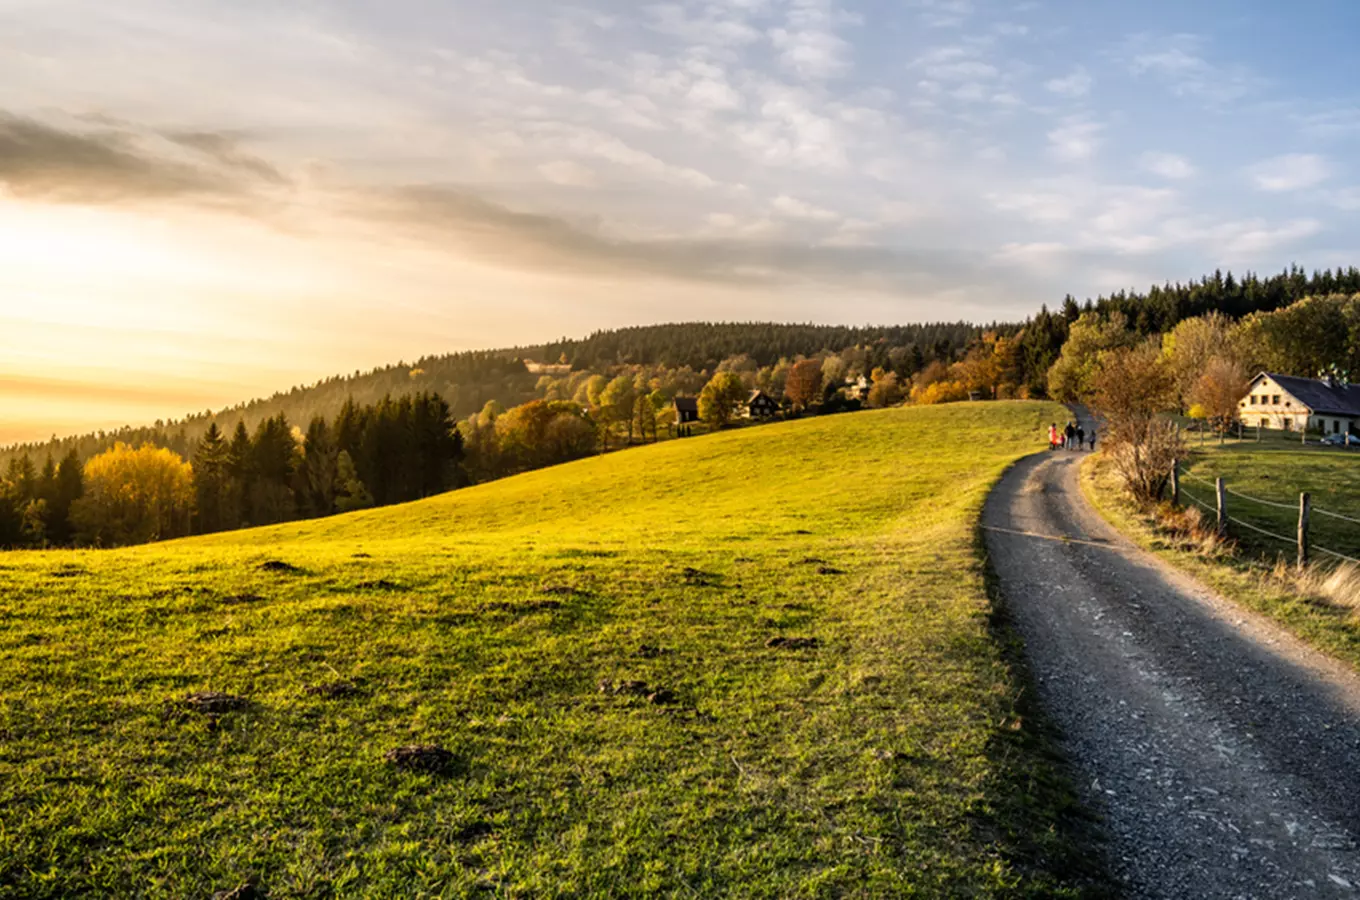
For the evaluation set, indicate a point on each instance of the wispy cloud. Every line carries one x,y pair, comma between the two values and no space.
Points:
1181,63
1075,141
1167,165
105,164
1290,172
1076,84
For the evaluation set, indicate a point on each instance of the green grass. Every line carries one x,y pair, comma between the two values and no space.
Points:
890,761
1277,470
1248,573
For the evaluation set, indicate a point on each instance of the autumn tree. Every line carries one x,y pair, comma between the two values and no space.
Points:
885,390
1071,380
134,496
1132,387
803,384
1190,346
1218,391
721,399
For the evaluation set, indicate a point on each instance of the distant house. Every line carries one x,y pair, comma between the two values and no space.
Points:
760,405
555,369
1291,404
858,389
686,410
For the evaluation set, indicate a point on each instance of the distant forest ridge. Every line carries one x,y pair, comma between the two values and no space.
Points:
469,380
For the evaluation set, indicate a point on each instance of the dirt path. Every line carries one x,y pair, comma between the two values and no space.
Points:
1222,753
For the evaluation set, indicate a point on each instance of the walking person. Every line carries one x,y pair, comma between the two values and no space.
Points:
1053,436
1070,435
1091,436
1081,436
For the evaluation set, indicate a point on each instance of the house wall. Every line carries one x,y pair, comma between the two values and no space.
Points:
1269,405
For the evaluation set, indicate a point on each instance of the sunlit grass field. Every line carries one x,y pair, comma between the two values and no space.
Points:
1258,572
890,759
1277,470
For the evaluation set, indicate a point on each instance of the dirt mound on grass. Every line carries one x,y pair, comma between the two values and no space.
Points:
212,703
653,695
793,643
428,758
279,566
829,570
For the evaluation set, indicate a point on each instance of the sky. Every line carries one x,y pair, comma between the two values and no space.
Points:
204,201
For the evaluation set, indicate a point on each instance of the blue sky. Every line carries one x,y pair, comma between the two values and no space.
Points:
437,175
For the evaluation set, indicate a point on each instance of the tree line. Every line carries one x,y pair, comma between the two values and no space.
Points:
392,451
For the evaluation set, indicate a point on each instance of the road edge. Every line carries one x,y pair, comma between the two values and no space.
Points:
1277,612
1066,841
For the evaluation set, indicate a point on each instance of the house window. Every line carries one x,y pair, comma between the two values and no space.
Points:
1336,426
1253,399
1275,399
1265,423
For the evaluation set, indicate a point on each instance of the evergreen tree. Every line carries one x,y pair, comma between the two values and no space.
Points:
350,493
240,478
320,468
212,482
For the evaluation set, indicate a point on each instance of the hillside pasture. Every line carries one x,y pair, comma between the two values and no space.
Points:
754,664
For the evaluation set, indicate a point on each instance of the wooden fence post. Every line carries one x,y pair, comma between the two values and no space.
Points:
1305,504
1222,507
1258,432
1175,482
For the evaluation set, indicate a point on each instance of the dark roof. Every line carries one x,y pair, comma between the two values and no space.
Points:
1336,398
759,395
687,404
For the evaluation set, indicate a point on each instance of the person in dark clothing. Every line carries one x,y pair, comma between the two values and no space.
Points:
1091,436
1081,436
1070,433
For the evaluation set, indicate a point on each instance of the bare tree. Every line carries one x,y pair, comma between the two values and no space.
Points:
1132,389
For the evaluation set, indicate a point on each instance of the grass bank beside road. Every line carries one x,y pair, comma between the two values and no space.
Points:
753,664
1252,569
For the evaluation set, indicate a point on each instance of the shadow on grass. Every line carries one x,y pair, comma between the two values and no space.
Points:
1054,846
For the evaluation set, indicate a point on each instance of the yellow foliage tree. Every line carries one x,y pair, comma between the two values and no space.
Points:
134,496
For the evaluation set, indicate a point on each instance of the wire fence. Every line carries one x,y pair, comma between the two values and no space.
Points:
1272,504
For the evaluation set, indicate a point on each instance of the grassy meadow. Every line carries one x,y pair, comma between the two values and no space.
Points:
1253,569
597,647
1278,469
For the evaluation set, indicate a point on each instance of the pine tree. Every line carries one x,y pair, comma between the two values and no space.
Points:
240,478
70,487
320,468
350,493
212,482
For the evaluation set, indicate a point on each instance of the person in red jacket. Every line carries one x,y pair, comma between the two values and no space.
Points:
1053,436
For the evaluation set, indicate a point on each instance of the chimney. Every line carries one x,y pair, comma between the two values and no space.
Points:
1331,380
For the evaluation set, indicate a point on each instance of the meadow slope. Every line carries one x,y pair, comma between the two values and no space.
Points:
888,760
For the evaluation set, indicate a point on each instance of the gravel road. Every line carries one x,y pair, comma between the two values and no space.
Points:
1222,753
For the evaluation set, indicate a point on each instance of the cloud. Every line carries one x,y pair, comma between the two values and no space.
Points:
448,217
1167,165
1075,141
110,165
1178,61
1076,84
566,173
799,209
1291,172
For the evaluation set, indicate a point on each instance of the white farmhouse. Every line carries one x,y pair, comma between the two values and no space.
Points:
1289,403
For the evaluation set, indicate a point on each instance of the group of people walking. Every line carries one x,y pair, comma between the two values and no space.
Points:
1073,437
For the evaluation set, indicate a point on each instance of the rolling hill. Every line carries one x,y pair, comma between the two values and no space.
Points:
753,664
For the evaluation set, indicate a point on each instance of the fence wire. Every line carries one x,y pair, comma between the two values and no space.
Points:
1293,541
1289,507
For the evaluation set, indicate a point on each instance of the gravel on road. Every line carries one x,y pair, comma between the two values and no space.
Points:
1221,752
